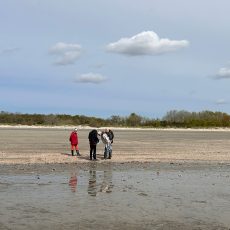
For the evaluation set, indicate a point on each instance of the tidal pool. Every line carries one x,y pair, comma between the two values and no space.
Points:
116,199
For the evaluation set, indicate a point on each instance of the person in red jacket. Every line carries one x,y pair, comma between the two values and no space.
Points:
74,142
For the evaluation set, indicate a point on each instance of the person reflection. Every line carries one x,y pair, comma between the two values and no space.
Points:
73,182
107,185
92,187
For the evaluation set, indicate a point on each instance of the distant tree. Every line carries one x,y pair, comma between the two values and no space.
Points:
51,119
134,120
116,120
172,118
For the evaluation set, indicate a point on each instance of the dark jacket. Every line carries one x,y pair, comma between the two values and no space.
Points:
110,135
93,139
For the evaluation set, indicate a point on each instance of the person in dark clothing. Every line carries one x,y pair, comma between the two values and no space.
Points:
93,141
111,135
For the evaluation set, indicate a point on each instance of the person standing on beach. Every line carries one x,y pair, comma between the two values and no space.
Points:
111,136
74,142
107,142
93,141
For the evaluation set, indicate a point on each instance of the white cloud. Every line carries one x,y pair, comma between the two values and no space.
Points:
9,50
221,102
145,43
91,78
223,73
66,53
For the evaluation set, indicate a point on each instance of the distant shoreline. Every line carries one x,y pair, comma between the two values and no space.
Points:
66,127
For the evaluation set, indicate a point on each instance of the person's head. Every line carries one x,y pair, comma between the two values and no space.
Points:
99,133
106,130
75,130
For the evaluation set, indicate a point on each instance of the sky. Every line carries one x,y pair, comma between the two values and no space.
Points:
103,58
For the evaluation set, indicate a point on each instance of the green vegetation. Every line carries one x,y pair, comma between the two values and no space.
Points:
180,119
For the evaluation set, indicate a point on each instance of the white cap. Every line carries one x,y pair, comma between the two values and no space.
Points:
75,129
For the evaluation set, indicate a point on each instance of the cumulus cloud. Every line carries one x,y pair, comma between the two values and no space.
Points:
223,73
66,53
221,102
146,43
91,78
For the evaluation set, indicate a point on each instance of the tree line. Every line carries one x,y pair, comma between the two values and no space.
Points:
173,118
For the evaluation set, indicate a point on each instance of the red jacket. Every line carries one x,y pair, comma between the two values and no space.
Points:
73,138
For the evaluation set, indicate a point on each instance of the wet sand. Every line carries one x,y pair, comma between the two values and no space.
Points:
157,179
160,196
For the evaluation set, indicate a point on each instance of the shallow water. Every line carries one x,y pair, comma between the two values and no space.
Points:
111,199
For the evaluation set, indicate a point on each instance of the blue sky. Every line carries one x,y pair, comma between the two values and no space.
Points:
103,58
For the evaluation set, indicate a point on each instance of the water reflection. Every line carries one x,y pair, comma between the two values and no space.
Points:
106,185
96,185
92,186
73,182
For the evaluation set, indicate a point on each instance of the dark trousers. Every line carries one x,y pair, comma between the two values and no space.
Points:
93,152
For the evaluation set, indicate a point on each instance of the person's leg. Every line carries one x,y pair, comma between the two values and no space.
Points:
94,152
110,151
91,151
106,151
77,150
72,150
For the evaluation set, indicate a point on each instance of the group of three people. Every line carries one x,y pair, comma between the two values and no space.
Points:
94,137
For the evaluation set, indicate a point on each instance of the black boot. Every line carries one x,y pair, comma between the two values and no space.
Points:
78,154
72,152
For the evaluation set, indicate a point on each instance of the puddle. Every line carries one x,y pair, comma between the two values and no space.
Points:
131,199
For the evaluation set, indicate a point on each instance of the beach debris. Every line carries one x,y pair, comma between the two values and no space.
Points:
142,194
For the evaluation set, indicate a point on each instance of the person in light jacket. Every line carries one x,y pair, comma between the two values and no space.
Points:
107,142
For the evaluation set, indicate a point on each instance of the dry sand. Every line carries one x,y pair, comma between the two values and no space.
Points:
28,145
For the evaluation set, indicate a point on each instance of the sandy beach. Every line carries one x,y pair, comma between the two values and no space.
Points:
23,145
157,179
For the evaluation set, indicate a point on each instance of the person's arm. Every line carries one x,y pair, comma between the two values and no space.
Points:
105,136
77,139
70,137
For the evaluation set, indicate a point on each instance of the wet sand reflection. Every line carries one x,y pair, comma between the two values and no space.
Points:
107,185
73,182
112,199
95,185
92,187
